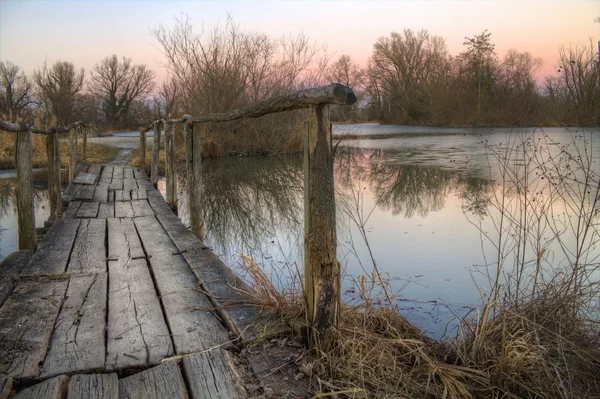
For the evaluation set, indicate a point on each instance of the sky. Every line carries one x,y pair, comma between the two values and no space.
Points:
86,31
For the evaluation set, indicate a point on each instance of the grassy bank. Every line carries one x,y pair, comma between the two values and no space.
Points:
95,152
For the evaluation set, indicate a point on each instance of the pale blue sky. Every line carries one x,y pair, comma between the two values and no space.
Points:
86,31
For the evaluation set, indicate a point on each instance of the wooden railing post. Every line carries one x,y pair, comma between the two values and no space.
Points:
143,146
54,187
155,153
171,178
84,145
322,269
25,211
72,154
193,153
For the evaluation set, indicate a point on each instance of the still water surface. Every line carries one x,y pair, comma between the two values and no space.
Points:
420,198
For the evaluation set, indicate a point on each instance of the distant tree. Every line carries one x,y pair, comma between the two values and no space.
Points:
58,87
118,85
347,72
480,64
165,102
15,91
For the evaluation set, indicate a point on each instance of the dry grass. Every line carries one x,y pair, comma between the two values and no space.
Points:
96,153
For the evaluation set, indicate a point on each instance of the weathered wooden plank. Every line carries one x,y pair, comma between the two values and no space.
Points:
53,252
94,386
71,192
164,381
194,328
106,210
5,387
129,184
218,280
123,240
123,209
118,172
86,193
54,175
134,195
54,388
142,194
171,172
88,210
158,204
10,268
145,185
122,195
111,196
209,376
137,332
140,174
141,208
72,209
194,179
116,183
26,323
101,192
78,340
106,175
89,251
128,173
95,169
86,178
155,153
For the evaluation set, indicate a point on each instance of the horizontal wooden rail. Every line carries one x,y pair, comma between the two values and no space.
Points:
334,93
23,127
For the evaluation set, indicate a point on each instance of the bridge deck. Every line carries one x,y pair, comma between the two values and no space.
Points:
117,285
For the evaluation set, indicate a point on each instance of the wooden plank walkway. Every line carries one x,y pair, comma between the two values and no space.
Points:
119,286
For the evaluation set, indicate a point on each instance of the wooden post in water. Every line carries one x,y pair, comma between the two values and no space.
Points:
193,152
155,154
84,144
322,270
72,154
143,146
25,211
171,180
54,187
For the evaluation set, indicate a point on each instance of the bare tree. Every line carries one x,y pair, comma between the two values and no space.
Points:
118,84
165,102
59,86
16,90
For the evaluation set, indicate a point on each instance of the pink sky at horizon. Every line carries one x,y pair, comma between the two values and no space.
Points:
84,32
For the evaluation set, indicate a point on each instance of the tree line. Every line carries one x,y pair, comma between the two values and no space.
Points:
410,78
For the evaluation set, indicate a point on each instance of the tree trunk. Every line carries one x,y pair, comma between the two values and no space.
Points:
194,178
54,175
155,154
25,211
171,180
322,270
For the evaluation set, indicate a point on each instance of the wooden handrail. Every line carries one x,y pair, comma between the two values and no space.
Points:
334,93
13,127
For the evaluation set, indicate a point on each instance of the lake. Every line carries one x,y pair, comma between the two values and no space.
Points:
419,202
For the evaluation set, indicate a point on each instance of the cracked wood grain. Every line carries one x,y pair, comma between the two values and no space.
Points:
193,325
123,209
89,251
94,386
54,388
164,381
141,208
208,375
78,340
88,210
53,252
26,323
106,210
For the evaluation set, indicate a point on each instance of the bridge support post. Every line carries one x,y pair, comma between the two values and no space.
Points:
193,152
321,268
171,180
155,154
25,211
72,154
54,187
143,146
84,144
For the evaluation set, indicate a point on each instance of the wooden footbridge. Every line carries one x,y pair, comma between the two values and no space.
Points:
117,287
120,299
